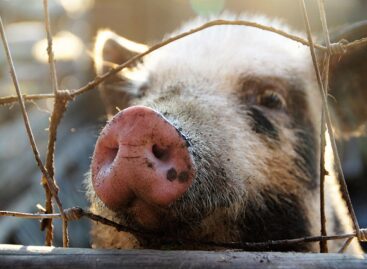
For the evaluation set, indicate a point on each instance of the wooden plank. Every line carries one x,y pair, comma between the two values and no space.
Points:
17,256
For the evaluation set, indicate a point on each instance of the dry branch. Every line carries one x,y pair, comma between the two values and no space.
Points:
345,245
76,213
50,181
323,172
46,224
60,104
30,215
26,97
335,48
341,178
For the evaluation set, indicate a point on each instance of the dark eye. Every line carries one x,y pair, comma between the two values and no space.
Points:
272,100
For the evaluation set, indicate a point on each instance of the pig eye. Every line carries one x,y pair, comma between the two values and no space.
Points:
143,89
272,100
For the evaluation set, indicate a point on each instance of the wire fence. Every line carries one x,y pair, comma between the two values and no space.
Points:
63,97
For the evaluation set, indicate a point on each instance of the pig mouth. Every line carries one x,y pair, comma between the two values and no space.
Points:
145,217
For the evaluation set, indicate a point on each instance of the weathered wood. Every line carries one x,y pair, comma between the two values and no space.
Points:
16,256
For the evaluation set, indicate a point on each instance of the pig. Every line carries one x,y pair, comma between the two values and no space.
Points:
216,138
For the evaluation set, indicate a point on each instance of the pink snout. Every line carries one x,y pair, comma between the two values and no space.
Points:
140,156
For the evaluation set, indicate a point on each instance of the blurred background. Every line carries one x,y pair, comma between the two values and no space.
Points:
74,26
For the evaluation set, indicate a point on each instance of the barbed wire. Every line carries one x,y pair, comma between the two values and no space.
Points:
62,98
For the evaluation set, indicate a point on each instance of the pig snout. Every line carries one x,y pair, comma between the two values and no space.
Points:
140,158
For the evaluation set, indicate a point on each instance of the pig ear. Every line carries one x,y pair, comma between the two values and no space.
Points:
111,50
348,83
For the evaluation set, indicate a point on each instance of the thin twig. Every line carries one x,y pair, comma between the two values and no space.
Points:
30,215
8,100
345,245
50,182
47,223
115,70
24,113
76,213
50,53
59,108
323,172
340,177
99,79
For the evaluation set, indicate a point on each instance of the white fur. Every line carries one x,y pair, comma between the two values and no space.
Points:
224,53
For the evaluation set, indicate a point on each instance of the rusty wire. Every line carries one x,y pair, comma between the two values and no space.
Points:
62,97
60,105
339,168
336,48
76,213
323,171
49,180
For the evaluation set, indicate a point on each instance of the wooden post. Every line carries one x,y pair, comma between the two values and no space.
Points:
16,256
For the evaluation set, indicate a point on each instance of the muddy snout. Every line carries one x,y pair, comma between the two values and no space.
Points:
141,159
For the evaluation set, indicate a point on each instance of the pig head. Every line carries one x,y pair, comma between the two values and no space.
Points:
218,139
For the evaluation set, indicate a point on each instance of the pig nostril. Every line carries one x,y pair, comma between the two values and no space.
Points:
160,153
112,152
